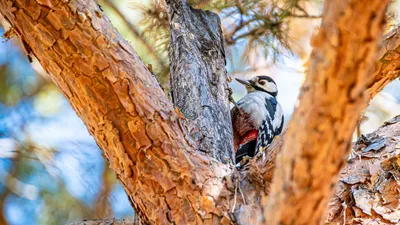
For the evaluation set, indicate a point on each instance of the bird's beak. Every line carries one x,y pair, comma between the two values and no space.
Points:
245,82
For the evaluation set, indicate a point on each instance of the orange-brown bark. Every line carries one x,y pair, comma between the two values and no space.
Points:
124,109
318,138
139,131
387,68
257,177
368,190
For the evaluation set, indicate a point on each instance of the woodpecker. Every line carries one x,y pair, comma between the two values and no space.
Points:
256,118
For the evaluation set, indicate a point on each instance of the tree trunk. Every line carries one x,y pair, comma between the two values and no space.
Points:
131,119
317,140
124,109
198,77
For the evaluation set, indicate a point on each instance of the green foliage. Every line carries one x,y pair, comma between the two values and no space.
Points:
260,25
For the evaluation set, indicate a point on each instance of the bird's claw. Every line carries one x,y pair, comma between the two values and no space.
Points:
262,149
243,162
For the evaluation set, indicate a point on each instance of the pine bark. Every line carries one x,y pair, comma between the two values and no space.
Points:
198,77
386,70
142,135
124,109
335,91
387,67
368,189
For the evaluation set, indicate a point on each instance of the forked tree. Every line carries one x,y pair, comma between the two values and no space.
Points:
174,158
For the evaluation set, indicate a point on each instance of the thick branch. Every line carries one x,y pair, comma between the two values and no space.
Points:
198,76
319,135
133,122
124,109
388,66
386,70
256,179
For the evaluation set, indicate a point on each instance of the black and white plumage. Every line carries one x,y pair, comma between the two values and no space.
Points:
256,118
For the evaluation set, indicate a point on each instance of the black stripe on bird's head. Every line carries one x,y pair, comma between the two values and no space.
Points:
261,83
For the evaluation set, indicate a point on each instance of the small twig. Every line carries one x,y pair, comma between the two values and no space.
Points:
301,9
234,198
229,37
241,192
344,212
359,156
306,16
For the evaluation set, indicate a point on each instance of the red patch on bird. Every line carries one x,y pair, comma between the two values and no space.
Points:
250,136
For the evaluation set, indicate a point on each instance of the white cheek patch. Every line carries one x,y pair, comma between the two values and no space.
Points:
255,80
270,87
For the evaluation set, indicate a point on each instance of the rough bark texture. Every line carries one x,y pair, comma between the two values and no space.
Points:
126,221
124,109
140,132
368,190
387,68
256,179
198,77
317,141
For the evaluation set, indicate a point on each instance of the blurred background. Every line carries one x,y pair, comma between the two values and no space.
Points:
51,170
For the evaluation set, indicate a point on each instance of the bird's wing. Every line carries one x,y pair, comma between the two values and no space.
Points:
272,125
247,149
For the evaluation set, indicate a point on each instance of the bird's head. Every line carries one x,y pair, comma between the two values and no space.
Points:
261,83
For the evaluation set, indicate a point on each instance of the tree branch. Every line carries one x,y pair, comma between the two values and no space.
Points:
387,68
124,109
331,99
257,177
138,129
198,76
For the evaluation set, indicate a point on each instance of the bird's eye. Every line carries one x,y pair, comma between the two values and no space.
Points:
262,82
